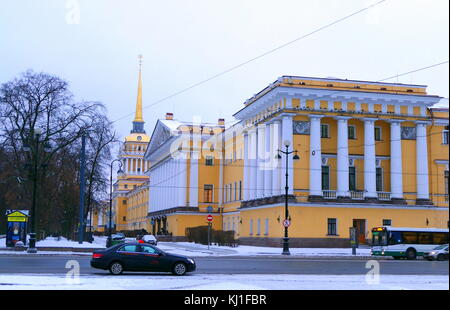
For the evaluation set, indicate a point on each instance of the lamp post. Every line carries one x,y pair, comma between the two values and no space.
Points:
287,143
108,242
34,153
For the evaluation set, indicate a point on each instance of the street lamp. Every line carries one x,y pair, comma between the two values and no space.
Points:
287,143
34,153
108,241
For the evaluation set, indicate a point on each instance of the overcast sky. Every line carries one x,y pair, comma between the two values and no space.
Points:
94,44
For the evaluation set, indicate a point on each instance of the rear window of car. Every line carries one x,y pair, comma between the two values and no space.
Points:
148,249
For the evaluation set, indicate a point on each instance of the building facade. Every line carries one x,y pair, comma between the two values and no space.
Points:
370,154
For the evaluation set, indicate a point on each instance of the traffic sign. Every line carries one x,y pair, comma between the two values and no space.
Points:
209,218
286,223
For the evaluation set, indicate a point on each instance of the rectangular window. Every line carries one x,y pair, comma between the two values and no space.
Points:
387,222
225,193
409,237
352,178
377,133
440,238
425,238
235,191
209,161
240,190
266,228
208,193
446,185
231,193
259,228
332,227
351,132
325,178
445,137
324,131
251,227
379,180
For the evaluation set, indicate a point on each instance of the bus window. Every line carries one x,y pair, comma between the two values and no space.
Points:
409,237
440,238
396,238
425,238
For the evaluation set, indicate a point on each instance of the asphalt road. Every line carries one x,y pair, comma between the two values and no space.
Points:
238,265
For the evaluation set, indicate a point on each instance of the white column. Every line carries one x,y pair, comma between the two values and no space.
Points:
315,157
269,159
342,157
422,161
276,145
396,160
369,159
246,181
287,132
193,183
260,162
252,163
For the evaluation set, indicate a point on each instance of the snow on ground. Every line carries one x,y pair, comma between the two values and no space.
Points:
195,250
221,282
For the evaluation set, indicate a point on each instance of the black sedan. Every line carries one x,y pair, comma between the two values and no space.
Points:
140,257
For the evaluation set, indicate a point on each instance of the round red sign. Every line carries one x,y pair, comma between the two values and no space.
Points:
286,223
209,218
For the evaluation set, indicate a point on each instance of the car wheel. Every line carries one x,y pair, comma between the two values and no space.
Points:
397,257
411,254
179,269
116,268
441,257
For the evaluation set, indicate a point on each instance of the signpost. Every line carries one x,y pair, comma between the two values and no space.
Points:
209,218
353,239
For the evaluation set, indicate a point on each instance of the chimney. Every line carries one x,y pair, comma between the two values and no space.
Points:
169,116
221,122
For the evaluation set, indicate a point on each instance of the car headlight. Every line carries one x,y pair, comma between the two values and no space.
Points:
190,260
432,253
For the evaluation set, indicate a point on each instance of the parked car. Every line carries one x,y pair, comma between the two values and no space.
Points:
117,238
438,253
136,256
150,239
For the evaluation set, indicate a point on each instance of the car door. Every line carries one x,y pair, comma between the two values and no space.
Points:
149,259
129,255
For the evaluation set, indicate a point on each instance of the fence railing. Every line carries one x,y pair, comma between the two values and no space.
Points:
384,195
357,195
329,194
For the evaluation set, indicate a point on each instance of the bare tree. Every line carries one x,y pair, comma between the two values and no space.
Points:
42,101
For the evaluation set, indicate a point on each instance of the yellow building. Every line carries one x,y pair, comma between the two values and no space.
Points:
370,154
184,178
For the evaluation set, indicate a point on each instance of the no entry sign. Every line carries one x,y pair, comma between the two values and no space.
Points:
286,223
209,218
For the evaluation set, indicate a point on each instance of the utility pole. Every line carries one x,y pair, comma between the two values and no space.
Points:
82,185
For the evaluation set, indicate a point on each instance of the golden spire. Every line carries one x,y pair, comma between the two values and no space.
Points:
138,117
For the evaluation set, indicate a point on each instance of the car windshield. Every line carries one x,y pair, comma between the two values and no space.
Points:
443,246
379,238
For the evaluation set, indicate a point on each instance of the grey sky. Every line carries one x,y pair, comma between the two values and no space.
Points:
184,42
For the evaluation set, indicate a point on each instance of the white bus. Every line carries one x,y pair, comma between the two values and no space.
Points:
410,243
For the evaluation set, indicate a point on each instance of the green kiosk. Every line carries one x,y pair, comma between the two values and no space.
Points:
16,227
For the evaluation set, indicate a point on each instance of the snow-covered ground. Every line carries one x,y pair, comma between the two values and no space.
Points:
222,282
195,250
